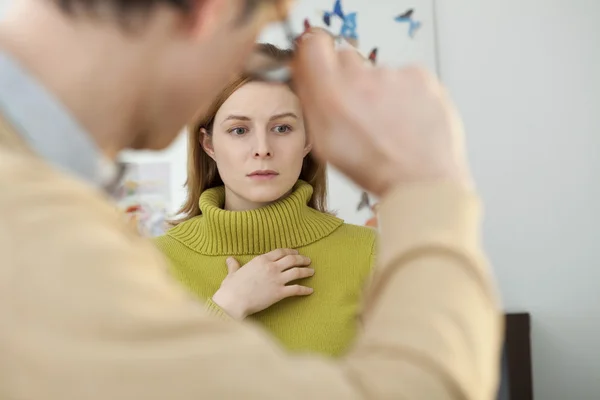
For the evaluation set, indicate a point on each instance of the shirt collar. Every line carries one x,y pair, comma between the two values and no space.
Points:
48,127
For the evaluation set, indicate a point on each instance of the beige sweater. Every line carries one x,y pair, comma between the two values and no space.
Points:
88,311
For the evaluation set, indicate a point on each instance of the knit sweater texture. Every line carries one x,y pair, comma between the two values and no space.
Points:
342,256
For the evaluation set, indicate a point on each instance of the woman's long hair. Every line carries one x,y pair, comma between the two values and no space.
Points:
202,172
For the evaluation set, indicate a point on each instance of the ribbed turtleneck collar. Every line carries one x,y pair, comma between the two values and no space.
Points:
287,223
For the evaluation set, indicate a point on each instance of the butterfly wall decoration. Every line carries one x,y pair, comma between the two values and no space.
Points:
348,30
408,18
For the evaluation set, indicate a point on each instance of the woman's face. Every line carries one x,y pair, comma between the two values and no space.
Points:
258,143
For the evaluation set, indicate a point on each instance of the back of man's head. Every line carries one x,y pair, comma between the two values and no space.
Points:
133,72
120,7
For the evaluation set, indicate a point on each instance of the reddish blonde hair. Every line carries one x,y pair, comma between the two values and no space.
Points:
202,171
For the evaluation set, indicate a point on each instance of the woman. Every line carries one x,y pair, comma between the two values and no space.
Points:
254,187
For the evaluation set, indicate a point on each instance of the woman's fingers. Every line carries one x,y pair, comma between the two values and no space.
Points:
278,254
292,260
232,265
295,290
294,274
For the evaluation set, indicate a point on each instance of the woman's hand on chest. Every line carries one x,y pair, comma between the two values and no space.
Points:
262,282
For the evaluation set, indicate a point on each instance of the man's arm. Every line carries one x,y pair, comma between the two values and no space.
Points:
93,314
432,324
89,312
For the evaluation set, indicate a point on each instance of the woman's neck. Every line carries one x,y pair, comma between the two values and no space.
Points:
235,202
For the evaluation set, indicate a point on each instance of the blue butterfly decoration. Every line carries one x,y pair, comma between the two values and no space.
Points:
413,25
348,30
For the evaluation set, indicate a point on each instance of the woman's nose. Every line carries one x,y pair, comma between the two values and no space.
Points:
262,147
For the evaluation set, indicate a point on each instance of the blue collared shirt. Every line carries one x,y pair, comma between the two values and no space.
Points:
49,128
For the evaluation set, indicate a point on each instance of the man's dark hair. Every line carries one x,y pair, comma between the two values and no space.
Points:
72,6
123,7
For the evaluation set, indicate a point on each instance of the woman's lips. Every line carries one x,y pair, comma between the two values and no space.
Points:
263,175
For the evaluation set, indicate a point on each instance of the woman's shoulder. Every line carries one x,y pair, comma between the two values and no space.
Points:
172,236
358,231
163,241
360,237
353,245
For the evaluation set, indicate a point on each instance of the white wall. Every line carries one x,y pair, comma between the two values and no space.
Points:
3,5
526,75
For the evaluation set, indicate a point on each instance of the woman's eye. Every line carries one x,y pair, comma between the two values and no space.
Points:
283,128
237,131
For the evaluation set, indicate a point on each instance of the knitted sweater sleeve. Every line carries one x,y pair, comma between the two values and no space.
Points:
214,309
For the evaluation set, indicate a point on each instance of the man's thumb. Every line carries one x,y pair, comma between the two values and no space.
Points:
232,265
316,63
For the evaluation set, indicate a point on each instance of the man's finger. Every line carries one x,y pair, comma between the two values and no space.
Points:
292,260
295,290
349,58
232,265
293,274
278,254
316,65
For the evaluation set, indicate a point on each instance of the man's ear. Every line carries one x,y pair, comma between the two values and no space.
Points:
206,143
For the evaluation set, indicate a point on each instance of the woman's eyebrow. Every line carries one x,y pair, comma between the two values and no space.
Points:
283,115
233,117
236,118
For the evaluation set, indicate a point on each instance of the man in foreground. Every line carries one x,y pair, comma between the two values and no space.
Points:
87,308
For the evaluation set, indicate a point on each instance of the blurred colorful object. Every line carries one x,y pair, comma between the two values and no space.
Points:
306,25
373,222
337,11
373,56
348,28
144,197
366,202
413,25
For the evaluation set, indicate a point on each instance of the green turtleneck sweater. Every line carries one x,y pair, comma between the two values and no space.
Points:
341,254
